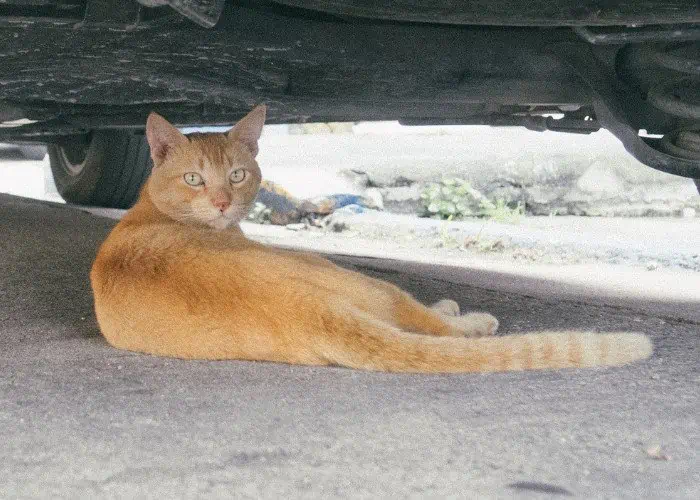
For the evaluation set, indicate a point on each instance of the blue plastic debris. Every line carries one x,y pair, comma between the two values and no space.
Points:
286,209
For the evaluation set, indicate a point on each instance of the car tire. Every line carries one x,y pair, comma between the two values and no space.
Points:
104,169
35,152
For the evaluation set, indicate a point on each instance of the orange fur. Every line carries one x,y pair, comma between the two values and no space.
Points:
177,277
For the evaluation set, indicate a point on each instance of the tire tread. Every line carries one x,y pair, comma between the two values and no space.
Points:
119,162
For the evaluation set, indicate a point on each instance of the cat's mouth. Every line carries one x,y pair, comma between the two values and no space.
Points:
222,220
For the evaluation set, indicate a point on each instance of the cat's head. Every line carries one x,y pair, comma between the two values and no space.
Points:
205,179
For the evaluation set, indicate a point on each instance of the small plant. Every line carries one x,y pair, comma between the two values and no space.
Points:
454,198
501,212
450,199
447,240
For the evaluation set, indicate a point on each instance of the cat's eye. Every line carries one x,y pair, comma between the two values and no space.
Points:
193,179
237,176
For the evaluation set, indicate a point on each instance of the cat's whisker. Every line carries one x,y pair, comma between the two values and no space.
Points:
187,217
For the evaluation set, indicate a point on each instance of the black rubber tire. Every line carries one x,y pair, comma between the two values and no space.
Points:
106,170
697,184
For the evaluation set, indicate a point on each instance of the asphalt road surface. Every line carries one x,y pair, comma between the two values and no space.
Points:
79,419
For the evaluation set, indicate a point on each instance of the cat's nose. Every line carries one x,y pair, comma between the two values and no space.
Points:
222,205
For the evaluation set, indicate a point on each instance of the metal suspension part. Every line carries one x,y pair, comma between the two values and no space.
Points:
677,94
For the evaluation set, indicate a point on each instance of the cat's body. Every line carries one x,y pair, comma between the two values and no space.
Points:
177,277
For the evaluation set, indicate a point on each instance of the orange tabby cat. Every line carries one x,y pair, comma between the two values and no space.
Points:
177,277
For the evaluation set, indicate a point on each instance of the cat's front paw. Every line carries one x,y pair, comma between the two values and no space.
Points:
476,324
447,307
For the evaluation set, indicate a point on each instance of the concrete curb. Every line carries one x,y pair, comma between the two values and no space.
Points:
549,173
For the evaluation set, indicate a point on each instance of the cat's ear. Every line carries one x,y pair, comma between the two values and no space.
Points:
162,137
248,130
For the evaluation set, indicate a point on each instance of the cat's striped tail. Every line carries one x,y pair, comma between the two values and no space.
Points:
372,345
